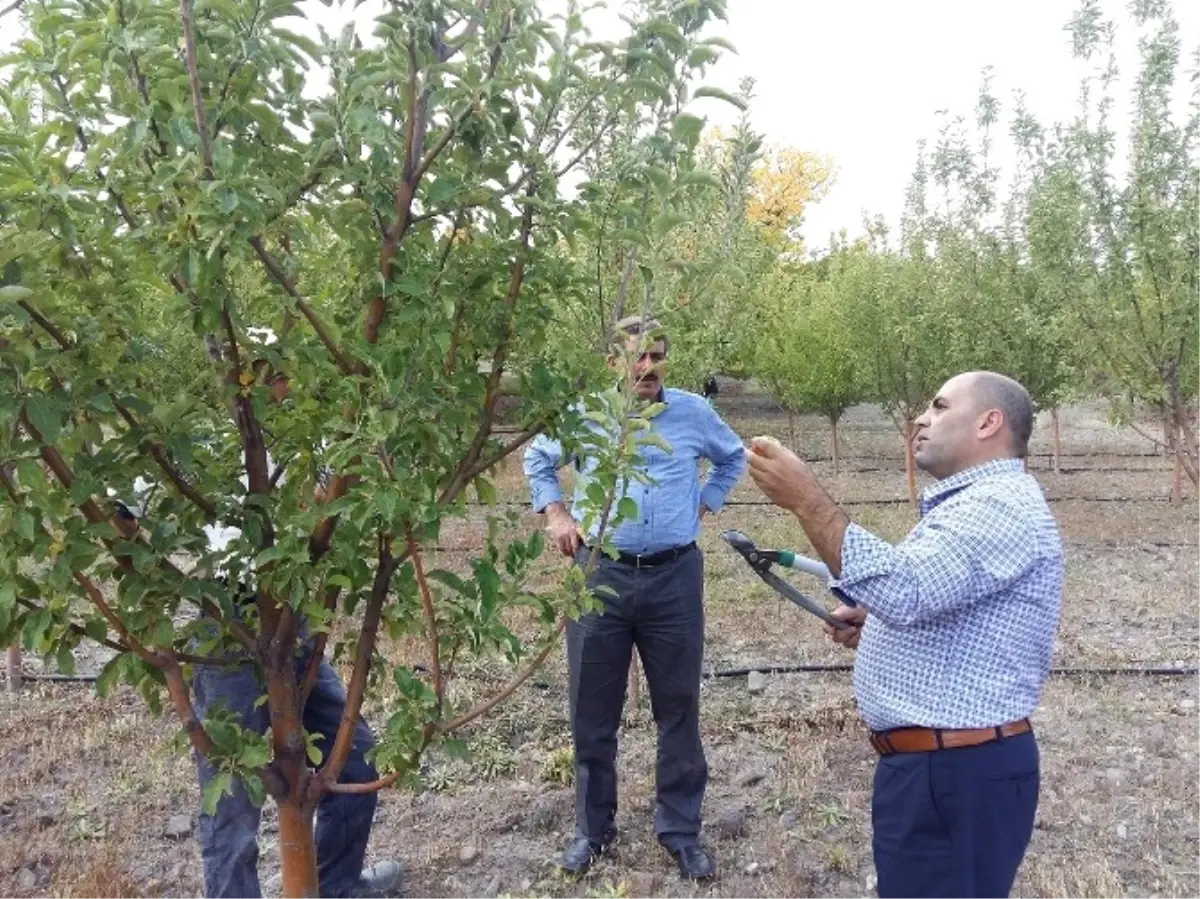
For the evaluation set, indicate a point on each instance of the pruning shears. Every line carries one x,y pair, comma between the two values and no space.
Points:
761,561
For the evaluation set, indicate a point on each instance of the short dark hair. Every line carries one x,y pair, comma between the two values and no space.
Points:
1001,392
632,326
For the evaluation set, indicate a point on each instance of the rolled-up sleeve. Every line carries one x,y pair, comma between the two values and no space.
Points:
948,563
543,457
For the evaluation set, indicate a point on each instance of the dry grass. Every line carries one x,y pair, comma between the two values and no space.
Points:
87,786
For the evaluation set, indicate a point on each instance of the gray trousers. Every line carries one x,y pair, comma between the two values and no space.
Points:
659,610
229,838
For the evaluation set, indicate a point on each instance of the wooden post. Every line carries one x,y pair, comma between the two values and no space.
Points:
14,667
910,464
1057,439
836,466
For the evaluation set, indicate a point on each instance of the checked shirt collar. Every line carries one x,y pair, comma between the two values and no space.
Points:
932,496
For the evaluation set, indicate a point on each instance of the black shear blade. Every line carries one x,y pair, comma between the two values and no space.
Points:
748,551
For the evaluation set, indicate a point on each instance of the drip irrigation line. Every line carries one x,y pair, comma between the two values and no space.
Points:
879,501
1065,671
59,678
1060,671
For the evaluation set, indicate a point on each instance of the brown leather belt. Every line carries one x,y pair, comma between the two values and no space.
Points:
927,739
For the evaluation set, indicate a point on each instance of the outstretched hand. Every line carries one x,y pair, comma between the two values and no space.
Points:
778,472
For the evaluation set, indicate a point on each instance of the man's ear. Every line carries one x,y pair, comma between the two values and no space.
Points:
990,424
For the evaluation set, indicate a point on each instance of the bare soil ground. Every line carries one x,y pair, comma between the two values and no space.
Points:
90,788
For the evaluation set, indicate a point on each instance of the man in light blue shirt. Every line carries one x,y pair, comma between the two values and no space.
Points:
954,628
655,603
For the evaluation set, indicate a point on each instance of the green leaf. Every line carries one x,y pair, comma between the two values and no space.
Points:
654,409
219,786
43,414
322,120
627,508
65,659
702,55
313,751
687,128
111,671
385,503
254,755
255,791
667,222
717,94
13,293
451,580
486,490
25,524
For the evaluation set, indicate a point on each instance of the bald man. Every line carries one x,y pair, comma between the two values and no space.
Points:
954,628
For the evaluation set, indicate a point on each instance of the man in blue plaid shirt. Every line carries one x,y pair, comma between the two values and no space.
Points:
954,628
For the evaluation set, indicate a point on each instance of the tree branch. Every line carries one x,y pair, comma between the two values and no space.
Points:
440,144
491,394
155,450
362,667
97,598
487,705
181,699
435,663
159,454
372,787
77,629
506,450
276,271
189,39
91,510
258,477
309,677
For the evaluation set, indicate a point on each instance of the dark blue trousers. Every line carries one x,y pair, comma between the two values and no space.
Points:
659,610
954,822
229,838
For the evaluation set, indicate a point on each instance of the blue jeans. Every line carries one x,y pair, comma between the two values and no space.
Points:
229,838
954,822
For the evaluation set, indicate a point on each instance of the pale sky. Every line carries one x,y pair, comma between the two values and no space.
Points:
863,80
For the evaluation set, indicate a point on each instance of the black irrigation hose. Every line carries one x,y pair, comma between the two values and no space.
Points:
1065,671
1069,670
61,678
888,501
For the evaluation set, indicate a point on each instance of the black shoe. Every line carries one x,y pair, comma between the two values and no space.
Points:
582,852
694,862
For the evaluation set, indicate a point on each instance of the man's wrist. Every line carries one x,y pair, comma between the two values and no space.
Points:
555,509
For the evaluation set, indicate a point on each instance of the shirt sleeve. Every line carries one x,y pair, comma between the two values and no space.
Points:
543,457
728,456
951,561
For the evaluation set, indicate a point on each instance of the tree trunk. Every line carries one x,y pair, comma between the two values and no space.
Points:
1177,479
1057,439
792,429
297,838
14,667
297,847
833,423
910,464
